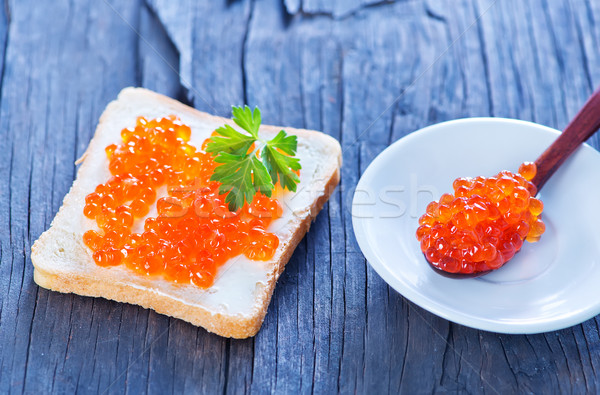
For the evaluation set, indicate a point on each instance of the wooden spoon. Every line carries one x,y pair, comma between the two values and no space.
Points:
581,128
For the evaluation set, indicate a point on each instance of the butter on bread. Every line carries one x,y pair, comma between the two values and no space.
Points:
235,306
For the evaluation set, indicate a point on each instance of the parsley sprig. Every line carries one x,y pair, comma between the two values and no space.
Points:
243,171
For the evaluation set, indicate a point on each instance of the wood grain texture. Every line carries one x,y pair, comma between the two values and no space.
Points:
365,72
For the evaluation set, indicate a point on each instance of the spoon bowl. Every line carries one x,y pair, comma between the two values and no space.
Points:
457,275
581,128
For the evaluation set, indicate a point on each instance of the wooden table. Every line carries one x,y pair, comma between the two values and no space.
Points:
364,71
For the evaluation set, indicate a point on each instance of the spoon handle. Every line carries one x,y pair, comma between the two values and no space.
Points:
581,128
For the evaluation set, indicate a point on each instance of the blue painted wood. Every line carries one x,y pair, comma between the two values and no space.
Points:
367,73
336,9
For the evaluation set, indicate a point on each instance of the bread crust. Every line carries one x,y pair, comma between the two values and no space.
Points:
52,275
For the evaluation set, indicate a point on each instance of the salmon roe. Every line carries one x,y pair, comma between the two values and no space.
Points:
483,224
193,233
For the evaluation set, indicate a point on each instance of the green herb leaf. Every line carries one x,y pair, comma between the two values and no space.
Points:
229,140
241,176
247,120
281,166
241,173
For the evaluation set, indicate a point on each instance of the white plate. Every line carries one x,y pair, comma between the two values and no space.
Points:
549,285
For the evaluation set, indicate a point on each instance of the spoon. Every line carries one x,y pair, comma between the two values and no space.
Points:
581,128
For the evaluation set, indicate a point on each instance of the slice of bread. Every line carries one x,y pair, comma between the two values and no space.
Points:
236,304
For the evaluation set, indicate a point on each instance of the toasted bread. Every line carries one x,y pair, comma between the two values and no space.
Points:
236,304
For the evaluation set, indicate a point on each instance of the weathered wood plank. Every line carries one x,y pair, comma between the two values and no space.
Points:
48,110
218,39
158,57
178,19
366,72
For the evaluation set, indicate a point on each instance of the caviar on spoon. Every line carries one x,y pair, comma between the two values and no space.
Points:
484,223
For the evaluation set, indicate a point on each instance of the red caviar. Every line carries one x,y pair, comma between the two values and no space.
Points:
194,232
484,223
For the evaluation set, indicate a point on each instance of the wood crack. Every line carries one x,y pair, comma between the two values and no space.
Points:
329,11
5,46
244,52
